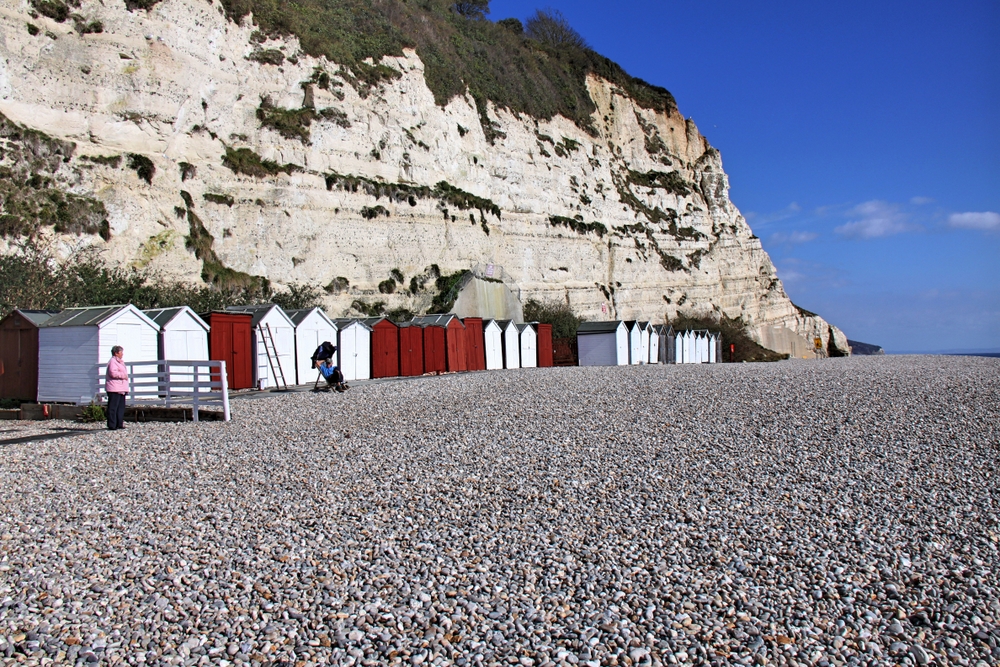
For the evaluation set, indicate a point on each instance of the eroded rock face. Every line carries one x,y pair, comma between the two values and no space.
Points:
303,181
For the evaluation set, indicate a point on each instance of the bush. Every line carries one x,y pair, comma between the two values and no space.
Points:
472,9
30,277
551,28
559,315
490,61
245,161
93,413
143,166
733,332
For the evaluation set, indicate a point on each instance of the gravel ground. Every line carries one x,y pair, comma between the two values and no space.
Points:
822,513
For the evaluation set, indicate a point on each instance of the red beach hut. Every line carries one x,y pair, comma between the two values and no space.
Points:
475,343
544,345
411,350
385,347
435,355
456,356
19,353
229,340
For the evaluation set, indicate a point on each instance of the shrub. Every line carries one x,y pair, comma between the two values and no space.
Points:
387,286
490,61
448,286
559,315
56,10
372,212
267,56
93,413
245,161
188,170
142,166
733,332
337,285
397,275
218,199
473,9
578,225
551,28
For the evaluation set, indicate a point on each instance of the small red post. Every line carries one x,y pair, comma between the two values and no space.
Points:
732,352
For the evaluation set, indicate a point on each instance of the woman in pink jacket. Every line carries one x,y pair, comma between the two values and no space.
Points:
116,386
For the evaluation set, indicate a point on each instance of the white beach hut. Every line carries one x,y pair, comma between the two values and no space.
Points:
493,338
684,344
529,345
654,343
312,327
644,331
603,343
183,337
713,342
270,322
634,342
511,344
354,349
72,344
702,347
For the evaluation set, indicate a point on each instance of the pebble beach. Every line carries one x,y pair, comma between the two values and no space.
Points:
835,512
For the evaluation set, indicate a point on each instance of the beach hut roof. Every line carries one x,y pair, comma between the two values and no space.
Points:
598,327
259,311
526,325
441,320
300,314
163,316
36,317
91,316
343,322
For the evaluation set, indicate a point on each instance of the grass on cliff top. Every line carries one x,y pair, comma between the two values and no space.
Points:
494,61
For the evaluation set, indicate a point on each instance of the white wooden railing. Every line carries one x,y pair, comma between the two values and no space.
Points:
173,383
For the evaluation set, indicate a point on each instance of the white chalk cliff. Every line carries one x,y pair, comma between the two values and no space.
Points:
175,85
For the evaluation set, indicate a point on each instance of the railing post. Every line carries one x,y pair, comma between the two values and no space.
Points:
166,381
225,391
196,390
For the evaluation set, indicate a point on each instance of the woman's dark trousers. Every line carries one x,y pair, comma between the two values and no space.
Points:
116,411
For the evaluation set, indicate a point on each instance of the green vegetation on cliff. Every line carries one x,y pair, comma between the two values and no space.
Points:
540,71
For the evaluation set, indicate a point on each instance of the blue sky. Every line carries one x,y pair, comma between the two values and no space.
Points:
862,143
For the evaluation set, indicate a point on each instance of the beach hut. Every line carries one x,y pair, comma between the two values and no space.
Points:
654,343
312,327
529,345
634,342
603,343
456,355
411,349
667,345
19,353
230,340
511,344
435,348
183,337
474,343
544,345
72,344
643,342
273,340
354,343
385,347
493,345
687,348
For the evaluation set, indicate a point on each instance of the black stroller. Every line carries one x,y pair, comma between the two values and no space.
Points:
322,360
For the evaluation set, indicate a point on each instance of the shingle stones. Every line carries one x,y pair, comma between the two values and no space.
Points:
841,512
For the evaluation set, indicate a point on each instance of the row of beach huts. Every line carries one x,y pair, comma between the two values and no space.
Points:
54,356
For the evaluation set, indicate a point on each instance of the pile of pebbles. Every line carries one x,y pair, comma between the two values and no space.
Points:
837,512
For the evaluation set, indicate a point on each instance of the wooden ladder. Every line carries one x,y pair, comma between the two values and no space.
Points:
272,356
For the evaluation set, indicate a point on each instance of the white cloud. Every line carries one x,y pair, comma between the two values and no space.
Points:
794,237
987,220
875,219
920,201
759,219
